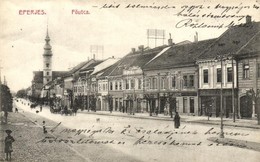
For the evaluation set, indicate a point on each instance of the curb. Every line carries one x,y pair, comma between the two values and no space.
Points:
170,119
236,143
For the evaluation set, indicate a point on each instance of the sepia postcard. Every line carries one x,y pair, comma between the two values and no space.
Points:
130,80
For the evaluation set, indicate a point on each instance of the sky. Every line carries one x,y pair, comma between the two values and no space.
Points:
117,29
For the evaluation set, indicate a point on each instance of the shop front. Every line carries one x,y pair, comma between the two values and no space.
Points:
210,102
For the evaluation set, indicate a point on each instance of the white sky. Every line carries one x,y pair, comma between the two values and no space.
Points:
118,30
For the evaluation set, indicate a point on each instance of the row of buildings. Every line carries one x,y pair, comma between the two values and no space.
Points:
188,77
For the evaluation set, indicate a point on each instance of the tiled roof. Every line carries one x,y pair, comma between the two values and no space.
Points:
92,65
179,55
56,74
252,46
138,58
234,40
110,69
76,68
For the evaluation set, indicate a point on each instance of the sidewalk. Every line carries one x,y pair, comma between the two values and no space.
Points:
27,147
245,123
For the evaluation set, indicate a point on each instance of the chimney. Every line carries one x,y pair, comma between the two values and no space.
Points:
196,37
141,48
170,40
88,58
93,56
113,57
248,19
133,50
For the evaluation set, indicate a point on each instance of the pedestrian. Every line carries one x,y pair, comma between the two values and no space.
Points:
157,111
123,109
44,128
41,108
16,110
177,120
8,144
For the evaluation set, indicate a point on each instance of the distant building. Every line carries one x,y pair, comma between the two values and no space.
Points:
42,78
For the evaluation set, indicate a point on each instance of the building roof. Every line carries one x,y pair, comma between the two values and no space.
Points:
138,59
91,66
38,76
179,55
235,40
104,65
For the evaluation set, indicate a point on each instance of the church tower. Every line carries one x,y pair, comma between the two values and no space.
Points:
47,60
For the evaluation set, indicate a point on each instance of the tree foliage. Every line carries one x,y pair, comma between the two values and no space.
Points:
21,93
6,98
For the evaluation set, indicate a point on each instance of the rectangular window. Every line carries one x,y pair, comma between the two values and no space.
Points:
205,76
191,81
47,73
154,83
126,84
229,74
116,86
219,76
139,83
132,83
173,82
47,65
185,81
104,87
163,83
246,71
120,85
111,86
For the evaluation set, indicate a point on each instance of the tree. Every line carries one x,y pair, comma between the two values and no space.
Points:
149,99
21,93
6,99
255,96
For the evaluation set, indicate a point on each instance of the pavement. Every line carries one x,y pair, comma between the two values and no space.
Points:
244,123
27,130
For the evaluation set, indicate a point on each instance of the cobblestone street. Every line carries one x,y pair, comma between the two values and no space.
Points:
28,132
114,138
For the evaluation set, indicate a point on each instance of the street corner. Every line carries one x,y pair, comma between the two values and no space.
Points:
235,143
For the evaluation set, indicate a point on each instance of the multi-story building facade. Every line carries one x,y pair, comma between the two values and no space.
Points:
227,69
172,79
125,81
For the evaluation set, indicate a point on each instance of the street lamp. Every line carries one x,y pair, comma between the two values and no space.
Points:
220,58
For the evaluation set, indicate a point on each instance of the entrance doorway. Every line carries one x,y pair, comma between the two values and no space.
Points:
246,107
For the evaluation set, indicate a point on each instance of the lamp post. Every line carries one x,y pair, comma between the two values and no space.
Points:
233,95
220,58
